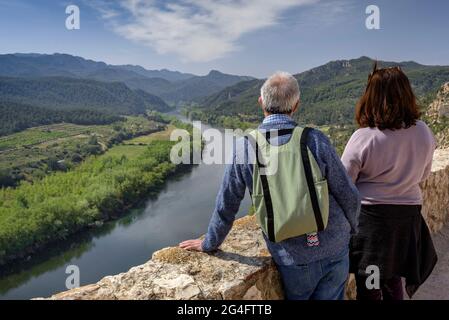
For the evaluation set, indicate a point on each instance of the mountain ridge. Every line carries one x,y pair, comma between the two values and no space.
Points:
328,92
79,64
177,87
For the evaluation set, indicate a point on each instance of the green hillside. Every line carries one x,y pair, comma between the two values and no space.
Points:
69,93
16,117
328,93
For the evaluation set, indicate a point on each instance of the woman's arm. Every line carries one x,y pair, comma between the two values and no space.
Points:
352,157
428,168
340,185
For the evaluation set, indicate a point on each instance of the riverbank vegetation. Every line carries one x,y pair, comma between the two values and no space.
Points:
102,187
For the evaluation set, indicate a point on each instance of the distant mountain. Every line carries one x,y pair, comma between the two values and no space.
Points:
163,74
69,93
42,65
112,75
172,86
200,86
187,90
173,92
328,93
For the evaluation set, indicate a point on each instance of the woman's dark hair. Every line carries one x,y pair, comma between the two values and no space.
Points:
388,102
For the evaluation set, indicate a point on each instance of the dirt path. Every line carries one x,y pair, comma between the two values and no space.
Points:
437,285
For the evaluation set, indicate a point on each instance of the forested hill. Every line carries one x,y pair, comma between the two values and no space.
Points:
69,93
16,117
328,93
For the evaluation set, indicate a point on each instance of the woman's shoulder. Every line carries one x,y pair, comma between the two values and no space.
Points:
362,140
422,125
424,131
364,134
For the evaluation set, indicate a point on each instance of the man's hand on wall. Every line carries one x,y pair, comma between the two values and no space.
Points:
194,245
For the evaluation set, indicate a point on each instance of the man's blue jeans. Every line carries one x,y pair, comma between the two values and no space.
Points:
321,280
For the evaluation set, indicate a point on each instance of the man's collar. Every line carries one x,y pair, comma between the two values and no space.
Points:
277,119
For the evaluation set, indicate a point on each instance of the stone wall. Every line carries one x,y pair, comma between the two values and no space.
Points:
436,192
242,269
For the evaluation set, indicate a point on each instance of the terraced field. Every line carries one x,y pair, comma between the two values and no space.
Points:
35,152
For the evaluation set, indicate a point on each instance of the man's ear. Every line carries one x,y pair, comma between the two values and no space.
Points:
295,108
260,101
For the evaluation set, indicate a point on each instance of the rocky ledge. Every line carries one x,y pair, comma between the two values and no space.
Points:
242,269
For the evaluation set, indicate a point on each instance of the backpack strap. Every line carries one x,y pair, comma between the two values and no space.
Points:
309,178
265,190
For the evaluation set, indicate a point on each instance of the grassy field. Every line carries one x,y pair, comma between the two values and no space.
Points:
134,148
48,133
147,139
30,137
130,151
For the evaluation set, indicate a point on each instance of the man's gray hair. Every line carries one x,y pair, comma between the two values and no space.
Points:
280,93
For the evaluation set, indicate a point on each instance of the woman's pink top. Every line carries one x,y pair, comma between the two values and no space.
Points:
387,166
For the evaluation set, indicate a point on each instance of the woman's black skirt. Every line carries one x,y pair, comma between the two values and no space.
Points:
397,240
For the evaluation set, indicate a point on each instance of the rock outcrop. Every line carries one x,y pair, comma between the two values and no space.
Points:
242,269
439,108
438,115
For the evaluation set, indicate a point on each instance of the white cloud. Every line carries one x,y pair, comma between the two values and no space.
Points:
106,11
195,30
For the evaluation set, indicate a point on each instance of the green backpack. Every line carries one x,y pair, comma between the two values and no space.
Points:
290,195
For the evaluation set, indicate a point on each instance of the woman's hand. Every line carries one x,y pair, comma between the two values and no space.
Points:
194,245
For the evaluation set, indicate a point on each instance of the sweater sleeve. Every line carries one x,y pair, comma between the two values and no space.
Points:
230,195
352,158
428,167
340,185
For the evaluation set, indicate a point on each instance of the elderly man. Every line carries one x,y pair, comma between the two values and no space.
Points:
313,265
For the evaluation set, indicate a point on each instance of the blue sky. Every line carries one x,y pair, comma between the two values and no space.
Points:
247,37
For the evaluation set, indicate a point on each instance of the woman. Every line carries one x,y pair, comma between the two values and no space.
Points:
387,159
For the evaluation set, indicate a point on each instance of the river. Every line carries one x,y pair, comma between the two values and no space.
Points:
181,211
